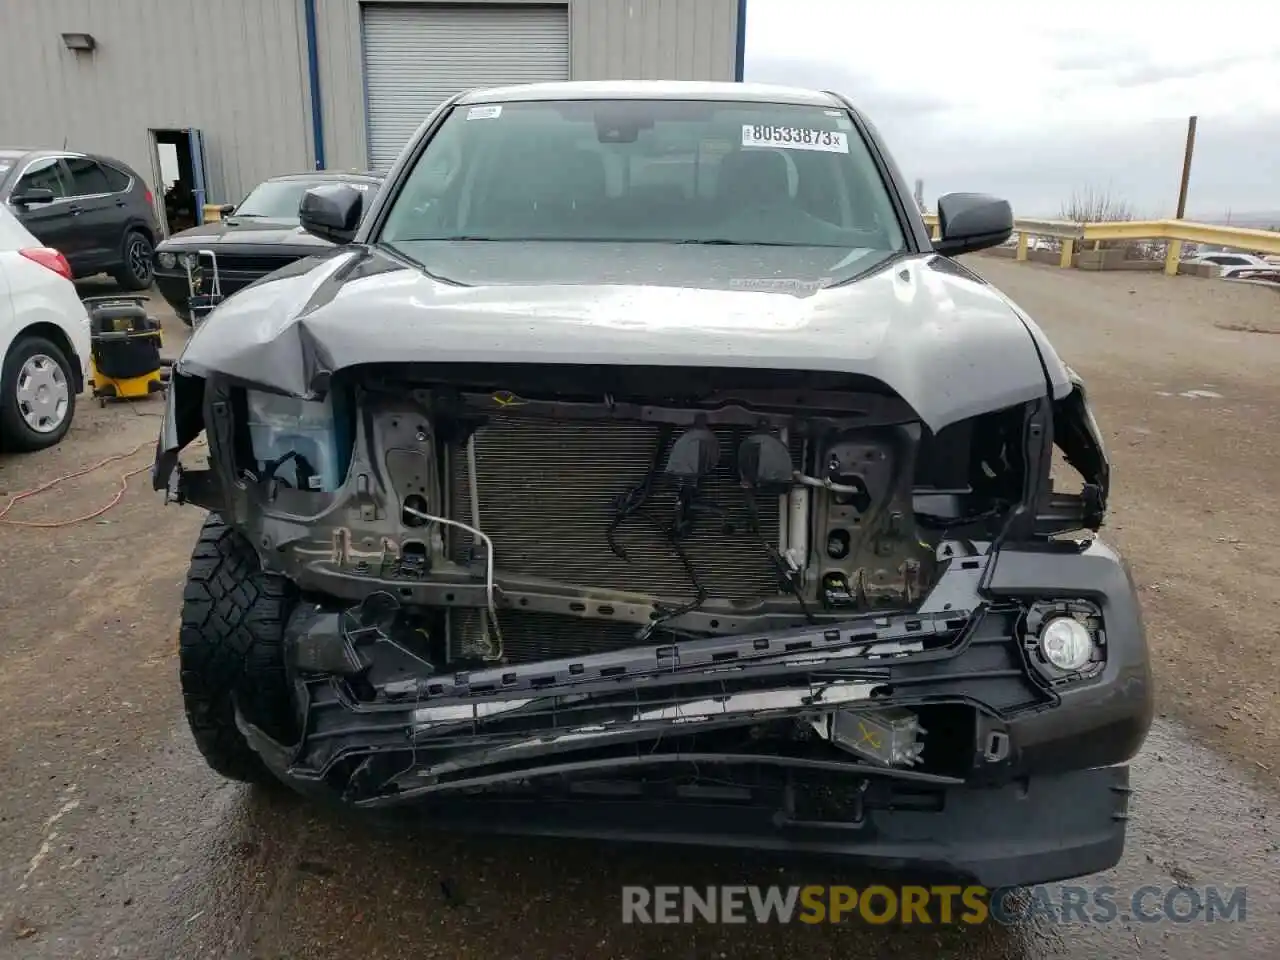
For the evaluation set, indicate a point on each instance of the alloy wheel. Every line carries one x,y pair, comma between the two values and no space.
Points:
138,259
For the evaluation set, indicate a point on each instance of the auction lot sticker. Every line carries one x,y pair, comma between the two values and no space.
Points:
794,138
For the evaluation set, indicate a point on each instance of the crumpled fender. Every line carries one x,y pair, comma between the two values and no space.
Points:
182,422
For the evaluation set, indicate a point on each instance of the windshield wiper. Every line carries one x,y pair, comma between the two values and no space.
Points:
711,241
468,238
726,242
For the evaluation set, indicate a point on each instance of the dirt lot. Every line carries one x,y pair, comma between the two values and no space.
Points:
1189,402
116,841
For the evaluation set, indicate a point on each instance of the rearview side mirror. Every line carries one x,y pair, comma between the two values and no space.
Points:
331,212
971,221
226,208
32,195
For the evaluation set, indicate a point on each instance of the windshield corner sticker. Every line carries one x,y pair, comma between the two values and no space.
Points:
486,112
794,138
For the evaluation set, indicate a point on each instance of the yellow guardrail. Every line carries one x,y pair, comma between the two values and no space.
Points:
1175,232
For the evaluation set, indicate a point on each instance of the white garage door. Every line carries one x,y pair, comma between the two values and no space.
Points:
417,56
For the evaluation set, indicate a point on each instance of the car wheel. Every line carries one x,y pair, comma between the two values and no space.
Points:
37,395
136,270
231,651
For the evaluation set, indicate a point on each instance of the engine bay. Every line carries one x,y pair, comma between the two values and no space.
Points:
521,513
509,563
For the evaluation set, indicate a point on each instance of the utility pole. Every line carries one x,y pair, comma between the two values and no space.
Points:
1173,250
1186,167
919,194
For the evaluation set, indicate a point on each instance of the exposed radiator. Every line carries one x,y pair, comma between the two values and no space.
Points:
547,492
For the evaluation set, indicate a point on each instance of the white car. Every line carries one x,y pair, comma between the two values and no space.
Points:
1267,276
44,341
1228,260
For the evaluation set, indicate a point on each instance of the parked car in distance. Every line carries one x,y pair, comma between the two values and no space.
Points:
1230,261
253,238
1267,276
97,212
44,340
600,487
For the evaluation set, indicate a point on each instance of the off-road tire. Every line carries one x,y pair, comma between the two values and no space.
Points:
231,650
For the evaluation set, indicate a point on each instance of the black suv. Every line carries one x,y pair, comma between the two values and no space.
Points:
96,211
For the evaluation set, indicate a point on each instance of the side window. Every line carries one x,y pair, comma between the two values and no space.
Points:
117,180
86,177
44,175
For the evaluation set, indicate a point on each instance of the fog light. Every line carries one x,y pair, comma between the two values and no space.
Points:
166,260
1066,643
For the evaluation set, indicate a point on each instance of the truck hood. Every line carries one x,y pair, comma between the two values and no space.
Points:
944,340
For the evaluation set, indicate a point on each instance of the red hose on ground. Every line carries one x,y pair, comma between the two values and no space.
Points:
53,524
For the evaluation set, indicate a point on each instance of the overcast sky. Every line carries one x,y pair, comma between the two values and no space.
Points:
1032,99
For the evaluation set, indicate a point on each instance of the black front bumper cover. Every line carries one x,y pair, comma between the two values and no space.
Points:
567,748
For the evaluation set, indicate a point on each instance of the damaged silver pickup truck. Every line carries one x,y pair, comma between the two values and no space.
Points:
637,467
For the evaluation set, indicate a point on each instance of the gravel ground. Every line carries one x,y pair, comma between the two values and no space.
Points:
116,841
1186,393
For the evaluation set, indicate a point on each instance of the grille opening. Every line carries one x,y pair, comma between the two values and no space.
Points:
528,636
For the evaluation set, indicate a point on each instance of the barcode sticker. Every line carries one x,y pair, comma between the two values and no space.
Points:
794,138
488,112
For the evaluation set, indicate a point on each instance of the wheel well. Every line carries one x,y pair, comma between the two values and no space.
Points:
58,337
143,229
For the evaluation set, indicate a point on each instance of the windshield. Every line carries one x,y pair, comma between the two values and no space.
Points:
661,171
279,199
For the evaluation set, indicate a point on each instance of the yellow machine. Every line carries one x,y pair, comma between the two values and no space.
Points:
125,356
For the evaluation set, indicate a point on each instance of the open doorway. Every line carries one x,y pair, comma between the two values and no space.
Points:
177,166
